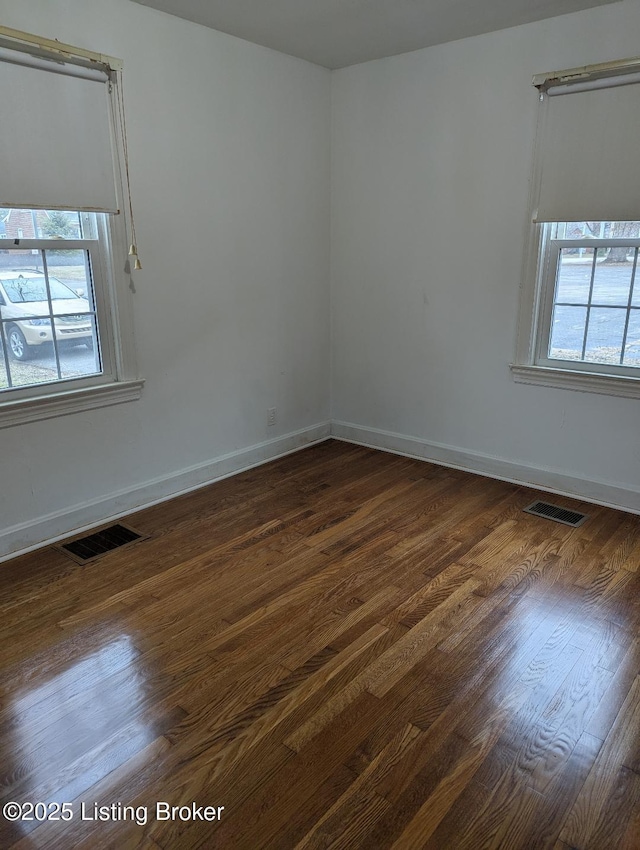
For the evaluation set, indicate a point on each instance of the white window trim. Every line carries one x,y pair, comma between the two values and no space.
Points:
552,250
124,383
572,379
28,41
54,404
526,369
530,366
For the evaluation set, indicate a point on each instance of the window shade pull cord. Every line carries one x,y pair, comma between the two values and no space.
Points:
133,250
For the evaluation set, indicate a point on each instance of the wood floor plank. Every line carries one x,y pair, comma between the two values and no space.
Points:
549,809
301,822
342,648
611,789
438,803
338,826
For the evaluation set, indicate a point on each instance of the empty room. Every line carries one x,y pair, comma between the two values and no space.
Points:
319,409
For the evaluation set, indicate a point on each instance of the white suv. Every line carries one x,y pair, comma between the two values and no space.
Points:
26,314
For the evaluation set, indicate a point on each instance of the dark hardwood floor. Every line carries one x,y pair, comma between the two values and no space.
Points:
343,649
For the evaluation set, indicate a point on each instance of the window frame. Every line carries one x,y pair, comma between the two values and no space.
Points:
101,310
527,367
119,381
114,268
532,364
551,250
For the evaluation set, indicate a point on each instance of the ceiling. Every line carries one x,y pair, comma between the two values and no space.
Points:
337,33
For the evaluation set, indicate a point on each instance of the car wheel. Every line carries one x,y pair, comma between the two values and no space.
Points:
18,344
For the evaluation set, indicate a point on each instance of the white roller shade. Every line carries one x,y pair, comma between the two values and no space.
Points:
55,139
588,154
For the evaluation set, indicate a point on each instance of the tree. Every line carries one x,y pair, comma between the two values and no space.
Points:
59,226
615,230
622,230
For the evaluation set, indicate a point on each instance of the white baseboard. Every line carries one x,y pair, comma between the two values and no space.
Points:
43,531
551,480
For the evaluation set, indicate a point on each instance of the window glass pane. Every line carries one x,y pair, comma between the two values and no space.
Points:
594,288
70,281
632,347
635,301
23,372
40,224
613,276
60,225
567,333
49,299
31,364
622,230
28,289
595,230
79,355
37,287
604,336
76,329
574,275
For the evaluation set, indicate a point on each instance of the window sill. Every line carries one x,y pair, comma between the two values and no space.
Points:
69,401
572,379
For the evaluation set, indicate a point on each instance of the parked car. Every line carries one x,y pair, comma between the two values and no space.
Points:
23,300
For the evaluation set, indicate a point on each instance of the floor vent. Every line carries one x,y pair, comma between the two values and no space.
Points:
556,513
105,540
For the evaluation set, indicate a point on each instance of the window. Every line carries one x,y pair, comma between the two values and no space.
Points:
580,308
591,311
52,324
65,304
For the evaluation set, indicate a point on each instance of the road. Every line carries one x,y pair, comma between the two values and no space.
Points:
73,361
41,368
606,322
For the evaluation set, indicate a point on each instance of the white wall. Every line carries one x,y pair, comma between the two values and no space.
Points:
432,154
230,154
231,150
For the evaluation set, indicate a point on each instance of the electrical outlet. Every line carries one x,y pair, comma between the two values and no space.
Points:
271,416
